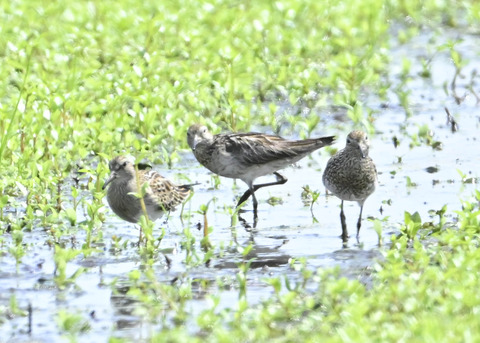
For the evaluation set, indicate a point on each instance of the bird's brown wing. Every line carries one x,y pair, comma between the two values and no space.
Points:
259,148
163,192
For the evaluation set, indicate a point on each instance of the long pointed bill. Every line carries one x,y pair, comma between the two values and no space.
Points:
110,179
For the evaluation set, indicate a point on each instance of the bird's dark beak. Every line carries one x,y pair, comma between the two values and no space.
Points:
195,143
364,150
110,179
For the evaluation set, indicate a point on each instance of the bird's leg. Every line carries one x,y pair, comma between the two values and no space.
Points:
280,181
244,197
255,202
255,206
344,224
359,223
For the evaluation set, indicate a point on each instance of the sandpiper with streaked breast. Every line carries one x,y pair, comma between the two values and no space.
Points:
247,156
161,194
351,175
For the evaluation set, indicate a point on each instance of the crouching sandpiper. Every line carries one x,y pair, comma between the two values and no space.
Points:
161,194
351,175
247,156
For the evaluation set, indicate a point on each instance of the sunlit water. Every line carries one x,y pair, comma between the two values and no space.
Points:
286,231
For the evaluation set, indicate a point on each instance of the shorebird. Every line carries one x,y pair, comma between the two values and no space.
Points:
351,175
161,194
247,156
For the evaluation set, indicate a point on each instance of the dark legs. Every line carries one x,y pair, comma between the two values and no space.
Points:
359,223
344,224
255,205
251,191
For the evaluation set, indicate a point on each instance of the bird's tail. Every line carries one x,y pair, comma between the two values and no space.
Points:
312,144
324,141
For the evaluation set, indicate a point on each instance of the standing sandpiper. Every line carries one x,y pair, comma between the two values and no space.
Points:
351,175
246,156
161,194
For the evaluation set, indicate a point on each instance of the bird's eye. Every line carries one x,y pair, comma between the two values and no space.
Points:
349,141
124,164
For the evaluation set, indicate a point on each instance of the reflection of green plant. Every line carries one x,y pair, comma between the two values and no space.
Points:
425,135
14,308
156,298
61,258
72,324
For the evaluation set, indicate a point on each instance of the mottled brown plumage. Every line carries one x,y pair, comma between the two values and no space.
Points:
351,175
247,156
161,194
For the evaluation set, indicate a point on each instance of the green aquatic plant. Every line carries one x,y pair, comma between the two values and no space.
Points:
469,216
310,197
7,132
402,90
14,309
425,135
466,179
85,81
241,275
205,242
412,224
62,257
357,115
72,324
273,201
378,228
459,63
188,245
156,298
426,68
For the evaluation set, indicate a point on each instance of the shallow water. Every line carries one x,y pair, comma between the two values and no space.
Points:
284,231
